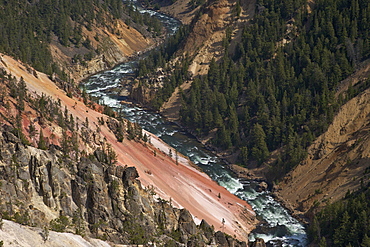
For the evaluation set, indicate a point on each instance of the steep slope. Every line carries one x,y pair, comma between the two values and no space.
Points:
181,184
180,9
337,160
219,22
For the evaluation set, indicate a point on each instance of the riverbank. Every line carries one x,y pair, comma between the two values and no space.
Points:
264,184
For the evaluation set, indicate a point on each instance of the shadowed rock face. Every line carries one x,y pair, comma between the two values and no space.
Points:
46,188
259,243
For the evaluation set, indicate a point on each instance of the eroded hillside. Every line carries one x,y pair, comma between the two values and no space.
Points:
72,39
338,160
115,45
63,161
220,22
215,25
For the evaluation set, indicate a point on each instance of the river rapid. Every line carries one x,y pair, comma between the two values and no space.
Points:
281,229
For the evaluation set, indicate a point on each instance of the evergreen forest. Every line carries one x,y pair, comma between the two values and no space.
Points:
344,223
277,89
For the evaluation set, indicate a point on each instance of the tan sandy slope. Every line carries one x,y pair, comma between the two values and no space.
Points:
115,45
336,161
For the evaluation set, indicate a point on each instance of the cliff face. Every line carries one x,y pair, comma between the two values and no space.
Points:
46,188
65,165
212,24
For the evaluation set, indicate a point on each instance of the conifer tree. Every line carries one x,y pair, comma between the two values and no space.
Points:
259,149
42,142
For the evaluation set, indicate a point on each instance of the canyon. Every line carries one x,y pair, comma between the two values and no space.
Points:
179,183
102,188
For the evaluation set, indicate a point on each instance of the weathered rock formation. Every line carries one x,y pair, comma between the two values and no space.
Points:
259,243
47,189
109,141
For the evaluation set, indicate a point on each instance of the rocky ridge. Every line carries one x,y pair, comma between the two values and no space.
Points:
45,188
55,179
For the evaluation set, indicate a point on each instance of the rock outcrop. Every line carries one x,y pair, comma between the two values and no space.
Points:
45,188
259,243
72,183
13,234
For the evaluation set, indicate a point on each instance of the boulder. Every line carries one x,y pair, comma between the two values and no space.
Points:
129,175
221,239
262,186
207,230
187,226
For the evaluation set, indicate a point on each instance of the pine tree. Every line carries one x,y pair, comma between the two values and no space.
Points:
341,233
365,241
322,242
42,142
244,155
259,150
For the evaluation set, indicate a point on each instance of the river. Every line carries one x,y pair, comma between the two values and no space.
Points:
282,228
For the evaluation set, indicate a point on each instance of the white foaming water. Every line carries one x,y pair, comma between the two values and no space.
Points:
170,133
205,161
91,91
110,101
123,70
230,183
150,12
275,216
199,160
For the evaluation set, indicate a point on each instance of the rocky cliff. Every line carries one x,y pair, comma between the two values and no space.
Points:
217,22
65,166
212,24
47,189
